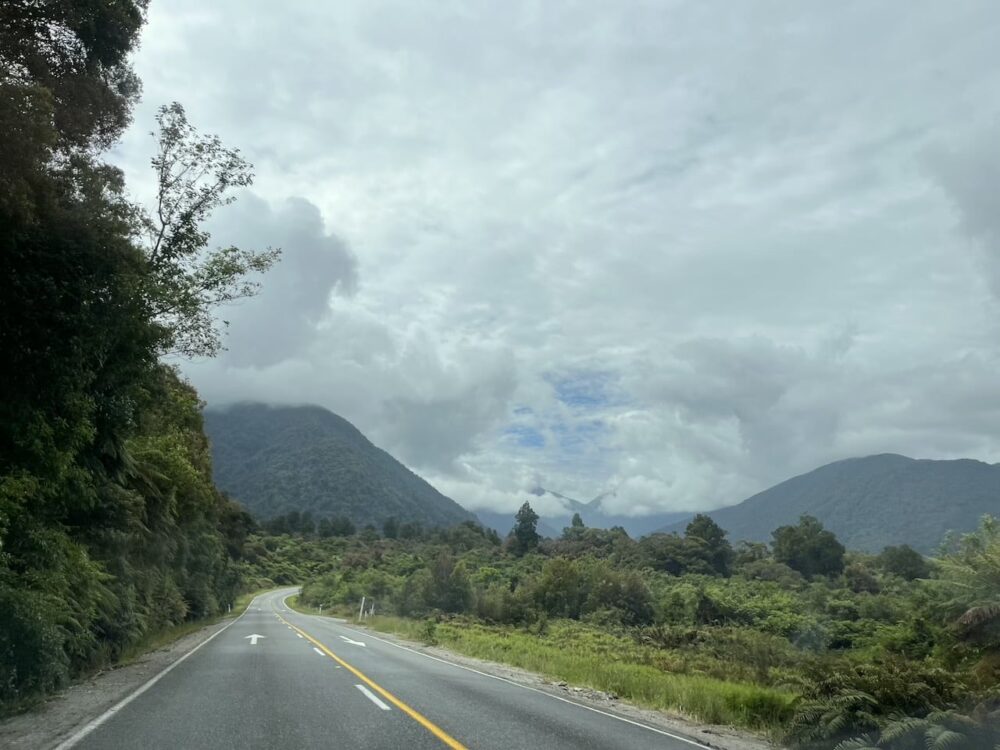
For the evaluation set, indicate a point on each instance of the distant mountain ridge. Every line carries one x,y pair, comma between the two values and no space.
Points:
873,501
276,459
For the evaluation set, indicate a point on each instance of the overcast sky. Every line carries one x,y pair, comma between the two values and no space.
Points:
684,250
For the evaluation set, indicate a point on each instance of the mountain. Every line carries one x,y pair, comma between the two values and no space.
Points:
592,513
873,501
276,459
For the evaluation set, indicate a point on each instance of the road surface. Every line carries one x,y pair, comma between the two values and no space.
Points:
275,679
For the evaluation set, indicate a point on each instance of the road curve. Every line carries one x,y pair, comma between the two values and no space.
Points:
312,682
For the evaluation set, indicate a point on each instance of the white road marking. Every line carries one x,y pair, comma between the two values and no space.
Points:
318,651
372,697
254,638
92,725
299,635
353,643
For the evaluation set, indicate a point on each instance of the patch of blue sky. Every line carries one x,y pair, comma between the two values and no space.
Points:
582,390
526,437
580,437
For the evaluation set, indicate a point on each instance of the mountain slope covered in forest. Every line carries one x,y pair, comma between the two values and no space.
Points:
873,501
277,459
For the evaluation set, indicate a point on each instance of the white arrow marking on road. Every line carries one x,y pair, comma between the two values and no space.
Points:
254,638
353,643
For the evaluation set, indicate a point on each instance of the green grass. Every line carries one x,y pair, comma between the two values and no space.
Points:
585,657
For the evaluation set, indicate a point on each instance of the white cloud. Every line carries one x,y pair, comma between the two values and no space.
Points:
723,211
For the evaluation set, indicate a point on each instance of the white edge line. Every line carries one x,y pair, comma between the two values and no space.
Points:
95,723
372,697
610,715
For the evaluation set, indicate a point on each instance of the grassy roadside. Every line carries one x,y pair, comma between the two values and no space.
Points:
587,658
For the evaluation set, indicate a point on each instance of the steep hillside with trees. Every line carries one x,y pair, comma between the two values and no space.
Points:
280,459
110,527
874,501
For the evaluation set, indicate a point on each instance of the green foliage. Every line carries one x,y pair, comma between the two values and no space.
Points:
524,536
904,561
675,555
862,650
809,548
110,526
78,54
710,540
841,704
184,283
969,585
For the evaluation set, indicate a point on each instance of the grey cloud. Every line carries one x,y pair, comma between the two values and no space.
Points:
282,320
725,207
971,178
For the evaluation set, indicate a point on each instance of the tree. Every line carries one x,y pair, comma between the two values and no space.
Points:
808,548
77,53
185,281
524,535
110,526
676,555
448,588
903,561
390,528
711,538
575,530
969,583
561,590
341,526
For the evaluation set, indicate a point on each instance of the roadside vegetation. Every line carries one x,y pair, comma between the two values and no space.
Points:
810,644
112,534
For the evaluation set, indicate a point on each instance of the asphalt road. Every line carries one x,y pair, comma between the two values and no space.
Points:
308,682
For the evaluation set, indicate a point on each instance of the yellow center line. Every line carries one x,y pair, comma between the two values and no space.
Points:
418,717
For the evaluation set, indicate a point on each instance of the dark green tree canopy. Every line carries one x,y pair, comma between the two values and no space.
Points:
77,52
711,538
904,561
808,548
524,536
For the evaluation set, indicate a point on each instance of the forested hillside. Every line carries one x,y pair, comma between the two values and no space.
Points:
110,526
874,501
280,459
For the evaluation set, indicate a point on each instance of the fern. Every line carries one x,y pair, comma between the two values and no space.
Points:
867,742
